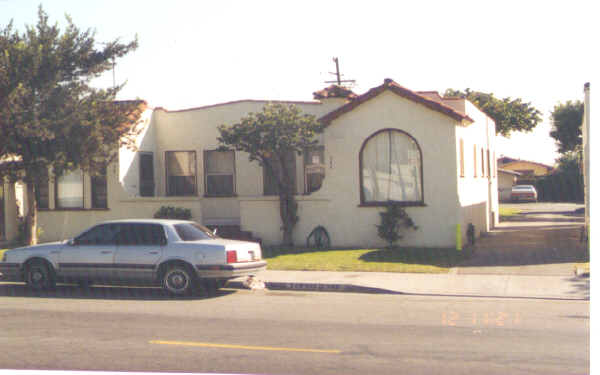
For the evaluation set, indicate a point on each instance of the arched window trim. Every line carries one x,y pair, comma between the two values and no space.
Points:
363,202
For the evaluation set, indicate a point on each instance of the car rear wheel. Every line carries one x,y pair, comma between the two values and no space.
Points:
38,276
178,280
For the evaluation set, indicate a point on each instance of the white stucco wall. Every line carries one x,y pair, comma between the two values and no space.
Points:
478,195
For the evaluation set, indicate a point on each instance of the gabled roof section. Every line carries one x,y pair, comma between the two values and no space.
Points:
548,167
389,84
334,91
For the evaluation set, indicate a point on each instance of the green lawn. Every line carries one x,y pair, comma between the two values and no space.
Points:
507,212
423,260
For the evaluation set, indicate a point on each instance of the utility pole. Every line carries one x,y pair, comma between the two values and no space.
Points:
339,79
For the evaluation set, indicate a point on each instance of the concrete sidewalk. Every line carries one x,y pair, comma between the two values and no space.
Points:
507,286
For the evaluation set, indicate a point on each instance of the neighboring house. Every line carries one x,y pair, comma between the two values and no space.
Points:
527,169
506,180
434,155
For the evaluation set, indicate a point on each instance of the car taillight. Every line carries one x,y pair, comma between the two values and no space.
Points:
231,256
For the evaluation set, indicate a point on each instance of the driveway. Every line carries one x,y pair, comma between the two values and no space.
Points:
543,239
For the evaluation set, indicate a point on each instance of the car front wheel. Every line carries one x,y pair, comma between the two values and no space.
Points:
39,276
178,280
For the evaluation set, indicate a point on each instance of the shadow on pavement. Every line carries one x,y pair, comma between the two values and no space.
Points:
520,246
100,292
580,286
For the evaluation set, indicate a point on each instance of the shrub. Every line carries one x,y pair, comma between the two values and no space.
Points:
168,212
392,221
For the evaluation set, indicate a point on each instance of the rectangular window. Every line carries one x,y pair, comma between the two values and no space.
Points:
271,187
488,163
475,160
99,190
181,173
69,190
146,174
462,158
482,164
314,168
219,173
42,195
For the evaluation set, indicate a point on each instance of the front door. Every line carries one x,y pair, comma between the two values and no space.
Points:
90,256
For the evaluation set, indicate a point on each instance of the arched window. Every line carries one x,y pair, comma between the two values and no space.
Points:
391,169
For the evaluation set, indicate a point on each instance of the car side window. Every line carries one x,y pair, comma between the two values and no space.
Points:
104,234
141,234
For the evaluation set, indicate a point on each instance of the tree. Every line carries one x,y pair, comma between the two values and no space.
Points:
508,114
268,137
50,116
566,121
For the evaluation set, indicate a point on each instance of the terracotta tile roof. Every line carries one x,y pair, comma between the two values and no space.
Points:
334,91
389,84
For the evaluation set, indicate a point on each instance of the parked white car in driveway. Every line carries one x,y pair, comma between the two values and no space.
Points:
523,193
179,255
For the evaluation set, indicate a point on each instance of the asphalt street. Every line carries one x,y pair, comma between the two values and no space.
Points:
268,332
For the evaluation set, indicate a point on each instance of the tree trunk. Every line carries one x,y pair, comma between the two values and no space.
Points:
287,210
31,217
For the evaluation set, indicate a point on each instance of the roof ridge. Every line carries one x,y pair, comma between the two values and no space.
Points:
389,84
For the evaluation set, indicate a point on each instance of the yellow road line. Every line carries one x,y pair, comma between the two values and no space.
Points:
227,346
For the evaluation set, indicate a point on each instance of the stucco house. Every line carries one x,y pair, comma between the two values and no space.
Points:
527,169
434,155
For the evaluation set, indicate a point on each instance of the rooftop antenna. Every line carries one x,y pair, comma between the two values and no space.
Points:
339,79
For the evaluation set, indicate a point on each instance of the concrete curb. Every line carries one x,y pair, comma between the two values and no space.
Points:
315,287
349,288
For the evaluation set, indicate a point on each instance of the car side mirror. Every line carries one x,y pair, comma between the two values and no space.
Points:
71,242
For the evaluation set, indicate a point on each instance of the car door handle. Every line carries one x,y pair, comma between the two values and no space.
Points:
106,252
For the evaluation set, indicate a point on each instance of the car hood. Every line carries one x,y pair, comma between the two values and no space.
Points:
41,247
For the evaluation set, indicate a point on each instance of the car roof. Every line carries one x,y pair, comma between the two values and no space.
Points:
147,221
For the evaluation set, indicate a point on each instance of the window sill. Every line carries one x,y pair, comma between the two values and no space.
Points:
385,204
220,196
74,209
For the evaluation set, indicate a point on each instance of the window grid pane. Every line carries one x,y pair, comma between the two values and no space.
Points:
181,173
391,168
69,190
220,173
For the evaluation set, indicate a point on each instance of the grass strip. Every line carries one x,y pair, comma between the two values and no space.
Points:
411,260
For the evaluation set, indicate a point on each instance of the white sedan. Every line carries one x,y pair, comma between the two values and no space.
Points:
523,193
182,256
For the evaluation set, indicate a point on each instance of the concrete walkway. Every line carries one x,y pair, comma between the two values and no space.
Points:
509,286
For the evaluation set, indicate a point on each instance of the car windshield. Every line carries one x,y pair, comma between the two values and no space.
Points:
193,232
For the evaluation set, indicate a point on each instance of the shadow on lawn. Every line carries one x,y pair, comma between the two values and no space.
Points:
422,256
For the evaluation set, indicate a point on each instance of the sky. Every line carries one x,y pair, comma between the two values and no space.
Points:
195,53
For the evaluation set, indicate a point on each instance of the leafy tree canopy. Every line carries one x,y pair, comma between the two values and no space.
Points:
50,116
567,119
508,114
268,137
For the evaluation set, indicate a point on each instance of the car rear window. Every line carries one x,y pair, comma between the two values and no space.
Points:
193,232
